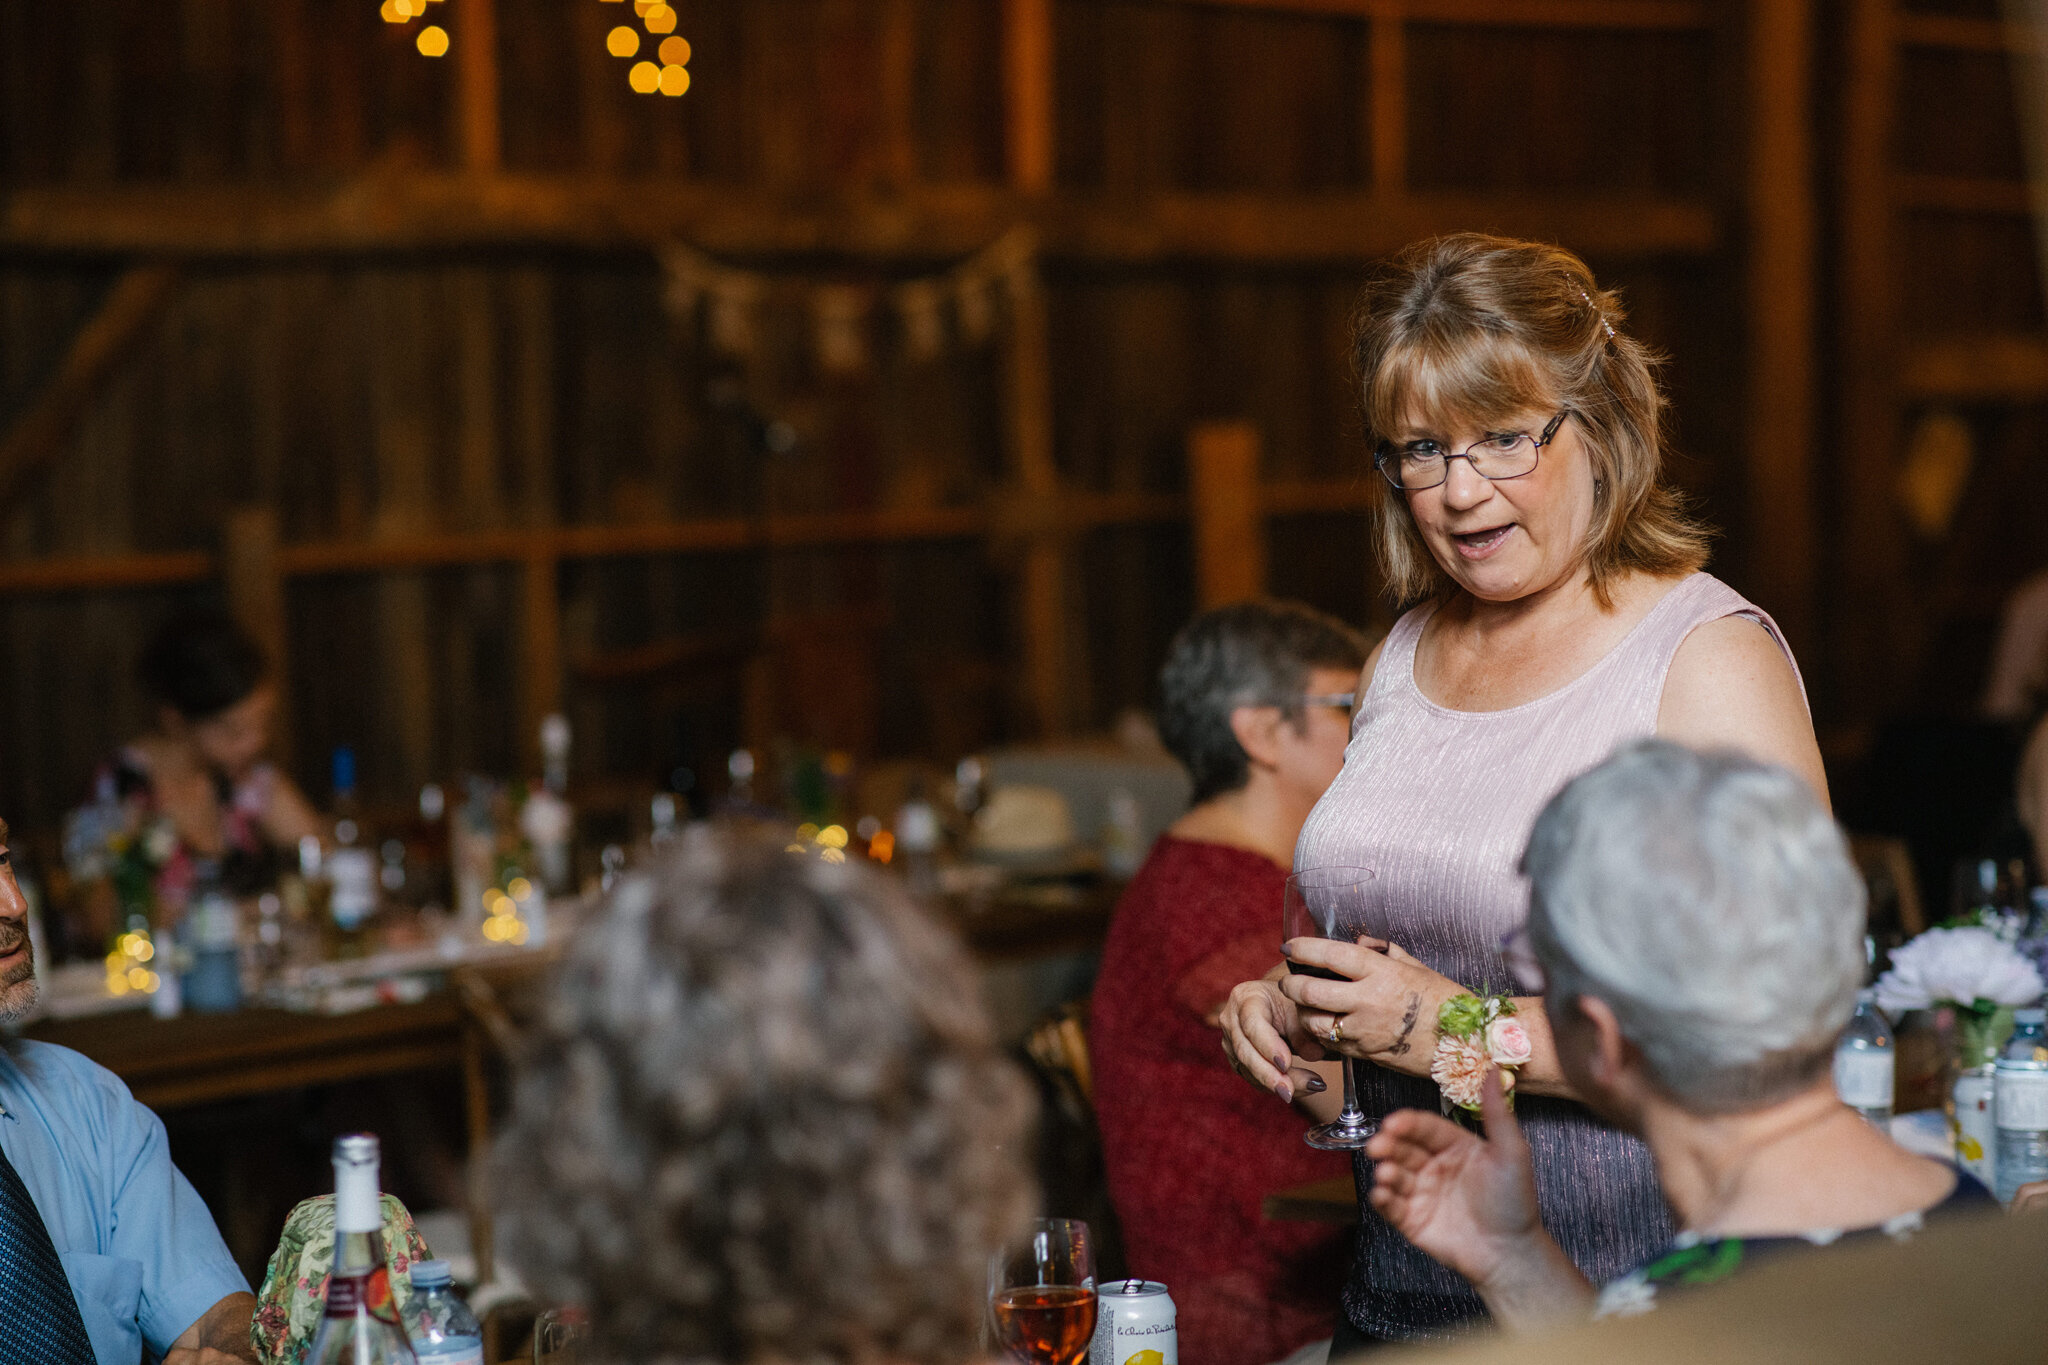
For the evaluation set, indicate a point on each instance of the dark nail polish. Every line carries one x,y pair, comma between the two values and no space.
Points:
1279,1061
1285,1092
1286,951
1317,1085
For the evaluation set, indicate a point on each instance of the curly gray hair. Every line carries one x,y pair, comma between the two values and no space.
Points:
761,1117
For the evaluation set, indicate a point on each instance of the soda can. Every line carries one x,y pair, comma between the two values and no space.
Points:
1133,1325
1972,1126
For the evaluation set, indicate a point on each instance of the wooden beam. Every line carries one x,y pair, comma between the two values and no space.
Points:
1955,34
1229,517
1652,15
1028,94
428,212
39,434
540,654
1047,643
1387,101
103,573
1781,261
255,591
1866,567
1961,194
2010,369
476,84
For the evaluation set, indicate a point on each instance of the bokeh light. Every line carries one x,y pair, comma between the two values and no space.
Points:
433,41
675,51
659,19
622,41
645,78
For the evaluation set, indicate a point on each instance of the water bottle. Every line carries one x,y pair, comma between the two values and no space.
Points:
1865,1063
2020,1103
442,1329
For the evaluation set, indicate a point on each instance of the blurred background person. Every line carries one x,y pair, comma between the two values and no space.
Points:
1255,702
1698,925
762,1118
1557,610
196,798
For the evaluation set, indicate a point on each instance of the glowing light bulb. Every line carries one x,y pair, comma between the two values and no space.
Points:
433,41
390,13
659,19
645,78
675,80
675,51
622,41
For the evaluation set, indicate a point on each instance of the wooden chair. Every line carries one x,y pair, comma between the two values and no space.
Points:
1058,1047
1887,868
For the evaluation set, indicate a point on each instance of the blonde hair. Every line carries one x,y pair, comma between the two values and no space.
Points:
1480,329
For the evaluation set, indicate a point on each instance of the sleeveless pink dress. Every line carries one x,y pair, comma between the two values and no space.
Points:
1439,803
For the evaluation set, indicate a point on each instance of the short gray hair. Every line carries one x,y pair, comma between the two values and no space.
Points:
1246,654
762,1116
1711,902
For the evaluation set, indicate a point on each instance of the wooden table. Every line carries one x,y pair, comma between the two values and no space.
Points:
1314,1201
197,1059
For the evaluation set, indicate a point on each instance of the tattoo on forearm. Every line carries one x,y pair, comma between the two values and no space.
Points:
1407,1024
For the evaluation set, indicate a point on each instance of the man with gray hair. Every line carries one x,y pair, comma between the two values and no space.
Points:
104,1245
1698,928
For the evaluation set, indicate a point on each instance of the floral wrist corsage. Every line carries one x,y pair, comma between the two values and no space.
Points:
1474,1033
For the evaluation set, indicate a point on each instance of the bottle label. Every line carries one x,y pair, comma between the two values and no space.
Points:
2022,1100
460,1351
362,1292
1864,1079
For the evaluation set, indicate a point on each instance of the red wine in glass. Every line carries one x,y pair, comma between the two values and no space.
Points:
1334,903
1042,1294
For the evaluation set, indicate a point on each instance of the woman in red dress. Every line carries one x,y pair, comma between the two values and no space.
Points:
1256,703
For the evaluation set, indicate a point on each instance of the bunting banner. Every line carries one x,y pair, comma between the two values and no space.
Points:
959,307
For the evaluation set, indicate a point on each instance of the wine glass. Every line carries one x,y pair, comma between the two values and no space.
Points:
1331,902
1042,1294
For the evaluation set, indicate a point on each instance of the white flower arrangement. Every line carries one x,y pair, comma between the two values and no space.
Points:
1970,970
1960,967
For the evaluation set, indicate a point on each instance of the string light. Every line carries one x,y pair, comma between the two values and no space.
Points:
675,51
659,19
675,80
623,41
645,78
433,41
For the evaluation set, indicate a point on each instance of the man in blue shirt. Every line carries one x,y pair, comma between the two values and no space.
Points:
138,1248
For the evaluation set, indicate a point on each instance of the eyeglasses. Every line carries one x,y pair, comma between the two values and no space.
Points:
1520,956
1425,464
1336,701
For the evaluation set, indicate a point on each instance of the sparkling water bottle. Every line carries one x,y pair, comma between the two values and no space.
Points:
443,1330
2020,1104
359,1325
1865,1063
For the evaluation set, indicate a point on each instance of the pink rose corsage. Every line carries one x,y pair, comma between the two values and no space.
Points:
1475,1034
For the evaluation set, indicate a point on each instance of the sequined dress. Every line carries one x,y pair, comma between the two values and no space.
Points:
1439,803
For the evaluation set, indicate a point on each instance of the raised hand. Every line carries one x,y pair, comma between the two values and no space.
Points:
1470,1202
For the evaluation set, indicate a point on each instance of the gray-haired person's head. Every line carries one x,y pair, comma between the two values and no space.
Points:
1710,901
1248,654
762,1117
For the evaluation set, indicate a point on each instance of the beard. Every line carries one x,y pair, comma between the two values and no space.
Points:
18,988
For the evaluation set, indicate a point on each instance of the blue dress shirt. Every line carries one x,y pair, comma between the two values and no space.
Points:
141,1252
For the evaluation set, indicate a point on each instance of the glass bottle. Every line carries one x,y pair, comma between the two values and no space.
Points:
2020,1104
359,1325
1866,1063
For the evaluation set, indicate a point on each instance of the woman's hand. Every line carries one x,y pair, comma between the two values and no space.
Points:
1384,1012
1470,1202
1264,1042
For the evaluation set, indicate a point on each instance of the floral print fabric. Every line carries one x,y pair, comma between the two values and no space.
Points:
295,1285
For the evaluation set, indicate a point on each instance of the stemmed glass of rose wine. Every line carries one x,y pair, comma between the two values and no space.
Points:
1331,902
1042,1294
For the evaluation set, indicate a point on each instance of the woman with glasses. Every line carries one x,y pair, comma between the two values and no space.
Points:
1557,610
1255,702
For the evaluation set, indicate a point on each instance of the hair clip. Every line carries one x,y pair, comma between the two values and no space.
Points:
1598,314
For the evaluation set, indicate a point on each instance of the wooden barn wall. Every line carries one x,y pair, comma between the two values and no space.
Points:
1962,274
379,396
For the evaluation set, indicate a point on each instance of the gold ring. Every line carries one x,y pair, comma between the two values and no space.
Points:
1337,1030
